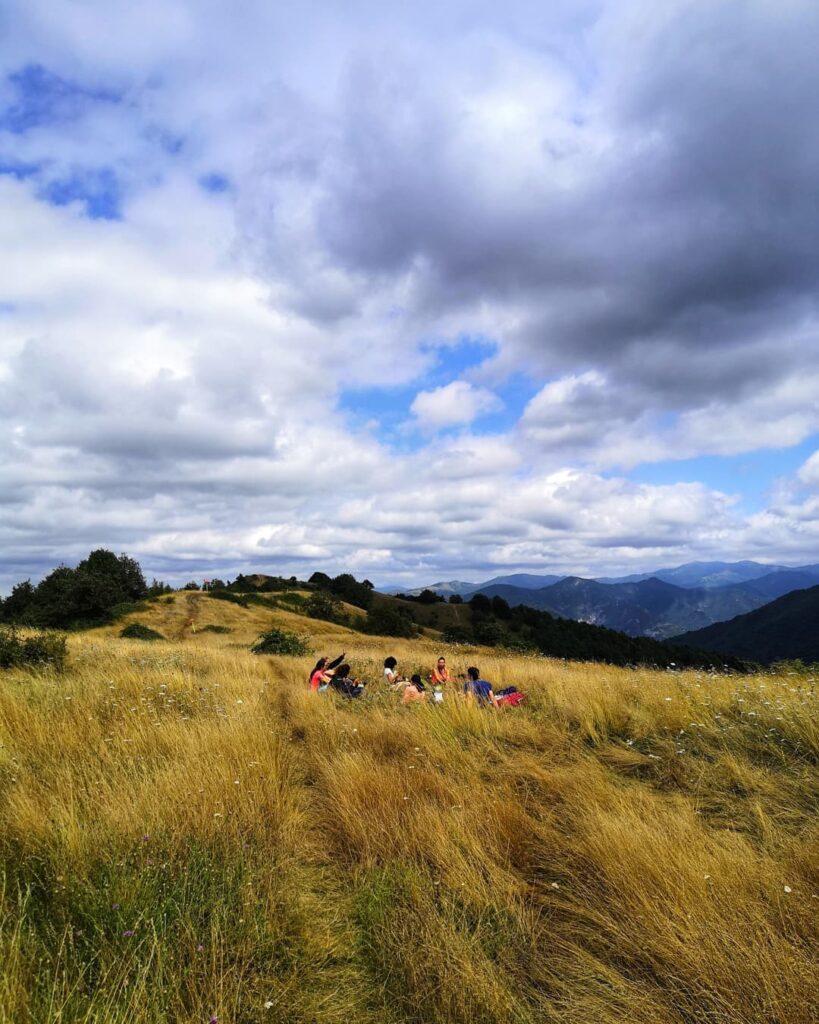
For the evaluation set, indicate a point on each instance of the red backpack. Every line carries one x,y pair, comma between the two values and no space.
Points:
513,699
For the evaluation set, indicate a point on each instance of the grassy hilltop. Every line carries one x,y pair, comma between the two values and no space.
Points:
188,835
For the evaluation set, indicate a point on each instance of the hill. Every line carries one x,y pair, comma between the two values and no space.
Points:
659,605
785,628
650,607
188,835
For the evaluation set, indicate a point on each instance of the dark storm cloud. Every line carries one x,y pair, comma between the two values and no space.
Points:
673,207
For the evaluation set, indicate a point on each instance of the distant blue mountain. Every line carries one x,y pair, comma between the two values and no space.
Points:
525,580
660,604
711,574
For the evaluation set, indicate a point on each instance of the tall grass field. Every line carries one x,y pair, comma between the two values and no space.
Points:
188,835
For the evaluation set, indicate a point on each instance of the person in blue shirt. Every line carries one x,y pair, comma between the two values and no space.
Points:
479,689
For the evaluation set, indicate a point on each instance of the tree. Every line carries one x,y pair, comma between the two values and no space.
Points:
390,620
480,603
347,587
322,605
321,580
456,599
18,606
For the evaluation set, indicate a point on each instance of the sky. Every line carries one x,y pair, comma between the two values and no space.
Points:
414,291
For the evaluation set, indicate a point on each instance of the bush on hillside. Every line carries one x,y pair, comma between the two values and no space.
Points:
136,631
281,641
458,635
388,620
39,650
322,605
213,628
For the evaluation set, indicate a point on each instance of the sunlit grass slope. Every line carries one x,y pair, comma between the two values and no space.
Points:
187,834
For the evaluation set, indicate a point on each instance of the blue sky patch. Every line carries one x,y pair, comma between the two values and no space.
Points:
752,475
390,406
99,190
215,182
41,97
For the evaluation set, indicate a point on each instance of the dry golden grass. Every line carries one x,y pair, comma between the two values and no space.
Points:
187,833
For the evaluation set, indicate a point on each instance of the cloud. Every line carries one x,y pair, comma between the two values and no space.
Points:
452,404
217,226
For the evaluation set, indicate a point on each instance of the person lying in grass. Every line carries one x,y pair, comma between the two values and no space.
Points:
477,689
323,672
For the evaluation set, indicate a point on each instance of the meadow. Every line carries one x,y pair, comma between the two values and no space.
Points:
188,835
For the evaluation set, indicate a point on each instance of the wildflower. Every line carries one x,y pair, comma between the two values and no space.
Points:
555,885
214,1019
115,906
788,888
146,838
128,933
268,1005
199,948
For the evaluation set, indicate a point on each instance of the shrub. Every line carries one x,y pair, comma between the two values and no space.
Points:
458,635
43,650
136,631
322,605
213,628
387,620
281,641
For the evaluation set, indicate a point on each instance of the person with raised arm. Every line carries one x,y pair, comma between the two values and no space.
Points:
323,672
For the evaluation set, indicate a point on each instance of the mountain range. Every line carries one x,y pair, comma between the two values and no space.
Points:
659,604
784,629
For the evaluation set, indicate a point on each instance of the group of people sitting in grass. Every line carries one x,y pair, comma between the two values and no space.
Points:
335,675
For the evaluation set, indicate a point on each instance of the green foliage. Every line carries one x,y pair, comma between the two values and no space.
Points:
390,620
215,628
456,599
158,588
458,635
281,641
85,596
259,584
39,650
136,631
323,605
350,590
193,585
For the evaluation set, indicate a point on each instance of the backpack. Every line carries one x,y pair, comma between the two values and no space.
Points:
512,700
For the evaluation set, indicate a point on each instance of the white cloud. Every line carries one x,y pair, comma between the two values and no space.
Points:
452,404
174,382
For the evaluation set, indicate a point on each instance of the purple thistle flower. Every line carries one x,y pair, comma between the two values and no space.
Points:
128,933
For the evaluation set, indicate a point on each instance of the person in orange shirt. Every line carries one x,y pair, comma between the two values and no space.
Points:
439,678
